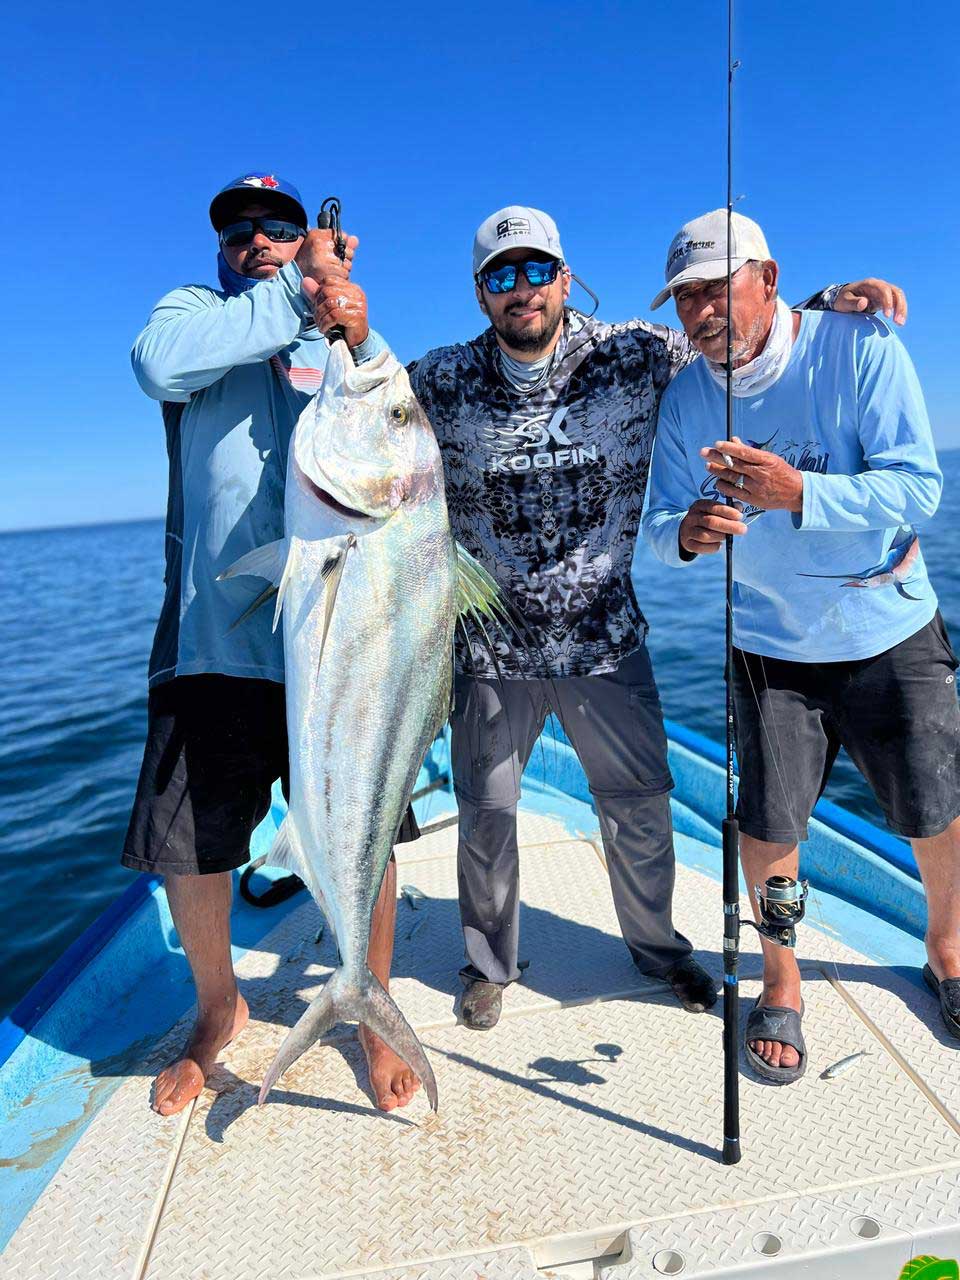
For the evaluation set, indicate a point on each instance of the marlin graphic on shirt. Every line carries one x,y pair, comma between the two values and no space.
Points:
893,570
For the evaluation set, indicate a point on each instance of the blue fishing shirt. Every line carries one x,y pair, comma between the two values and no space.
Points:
234,374
843,579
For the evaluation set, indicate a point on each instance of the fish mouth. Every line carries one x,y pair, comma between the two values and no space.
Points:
330,501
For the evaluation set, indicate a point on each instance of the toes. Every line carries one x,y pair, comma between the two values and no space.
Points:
175,1087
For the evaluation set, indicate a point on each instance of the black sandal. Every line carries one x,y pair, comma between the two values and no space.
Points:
948,992
770,1022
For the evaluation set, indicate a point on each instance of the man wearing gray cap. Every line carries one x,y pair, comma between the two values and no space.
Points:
546,423
835,469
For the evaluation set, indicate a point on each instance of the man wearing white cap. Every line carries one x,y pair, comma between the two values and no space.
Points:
546,423
832,466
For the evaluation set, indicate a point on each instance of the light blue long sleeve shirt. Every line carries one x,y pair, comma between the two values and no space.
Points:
844,579
242,368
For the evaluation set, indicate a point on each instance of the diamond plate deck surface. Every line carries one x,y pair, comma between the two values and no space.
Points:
574,1129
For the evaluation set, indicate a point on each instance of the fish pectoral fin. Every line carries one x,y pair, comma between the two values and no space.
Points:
906,594
332,575
263,562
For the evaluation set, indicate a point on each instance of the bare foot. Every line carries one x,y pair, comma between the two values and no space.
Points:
180,1083
392,1081
783,995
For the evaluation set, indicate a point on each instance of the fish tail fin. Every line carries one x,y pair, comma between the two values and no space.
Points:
363,1001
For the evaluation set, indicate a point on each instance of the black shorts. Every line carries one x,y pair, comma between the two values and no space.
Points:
215,746
896,714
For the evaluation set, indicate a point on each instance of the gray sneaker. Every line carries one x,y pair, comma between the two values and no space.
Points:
480,1004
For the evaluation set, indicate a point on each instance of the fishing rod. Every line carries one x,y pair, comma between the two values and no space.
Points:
731,828
781,901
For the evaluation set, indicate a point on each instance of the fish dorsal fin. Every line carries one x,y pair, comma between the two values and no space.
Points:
481,601
477,592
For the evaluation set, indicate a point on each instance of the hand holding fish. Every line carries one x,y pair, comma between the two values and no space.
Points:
317,256
706,524
337,302
755,476
872,295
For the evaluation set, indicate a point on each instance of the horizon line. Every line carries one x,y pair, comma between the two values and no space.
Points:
82,524
106,524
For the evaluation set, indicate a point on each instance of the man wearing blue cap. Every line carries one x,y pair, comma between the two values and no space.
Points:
233,368
546,423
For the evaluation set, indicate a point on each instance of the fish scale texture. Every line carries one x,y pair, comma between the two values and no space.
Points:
569,1122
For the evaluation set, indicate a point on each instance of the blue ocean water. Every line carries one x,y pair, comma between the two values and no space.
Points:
77,612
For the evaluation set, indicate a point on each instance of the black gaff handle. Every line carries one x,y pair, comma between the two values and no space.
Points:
327,218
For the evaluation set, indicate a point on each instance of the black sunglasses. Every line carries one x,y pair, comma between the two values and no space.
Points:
276,229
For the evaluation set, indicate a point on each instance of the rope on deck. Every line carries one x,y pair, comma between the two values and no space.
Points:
153,1226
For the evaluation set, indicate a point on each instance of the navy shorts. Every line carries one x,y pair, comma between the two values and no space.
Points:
896,714
215,746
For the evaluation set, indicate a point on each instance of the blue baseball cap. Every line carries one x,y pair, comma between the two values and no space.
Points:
254,186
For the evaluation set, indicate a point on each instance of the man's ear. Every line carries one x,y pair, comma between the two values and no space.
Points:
771,276
479,292
567,281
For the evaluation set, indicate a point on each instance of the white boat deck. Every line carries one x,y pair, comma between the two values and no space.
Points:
579,1138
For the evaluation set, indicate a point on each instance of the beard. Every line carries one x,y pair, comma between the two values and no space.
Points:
529,336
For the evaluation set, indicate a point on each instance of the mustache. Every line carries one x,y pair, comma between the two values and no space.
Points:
523,306
259,259
708,327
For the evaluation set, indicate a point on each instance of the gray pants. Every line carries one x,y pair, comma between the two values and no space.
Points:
616,727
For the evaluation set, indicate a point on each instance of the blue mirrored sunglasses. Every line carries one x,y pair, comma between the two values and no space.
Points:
503,279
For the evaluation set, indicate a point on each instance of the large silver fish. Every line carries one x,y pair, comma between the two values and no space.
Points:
367,578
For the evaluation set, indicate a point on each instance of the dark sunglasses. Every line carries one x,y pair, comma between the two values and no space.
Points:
276,229
503,279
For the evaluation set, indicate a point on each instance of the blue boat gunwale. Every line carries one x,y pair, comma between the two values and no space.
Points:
18,1024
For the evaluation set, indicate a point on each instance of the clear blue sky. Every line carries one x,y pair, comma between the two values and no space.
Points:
123,120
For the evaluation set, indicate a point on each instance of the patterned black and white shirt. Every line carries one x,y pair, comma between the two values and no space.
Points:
545,488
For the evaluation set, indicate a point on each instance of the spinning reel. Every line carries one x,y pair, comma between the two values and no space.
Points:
782,903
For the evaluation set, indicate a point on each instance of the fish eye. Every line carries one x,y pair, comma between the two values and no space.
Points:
399,414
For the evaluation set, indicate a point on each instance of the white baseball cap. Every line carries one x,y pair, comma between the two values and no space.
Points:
515,227
699,250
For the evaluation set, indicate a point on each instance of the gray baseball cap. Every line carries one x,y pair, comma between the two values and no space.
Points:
699,250
515,227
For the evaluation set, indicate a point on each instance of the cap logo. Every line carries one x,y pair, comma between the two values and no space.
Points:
266,180
513,227
687,246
